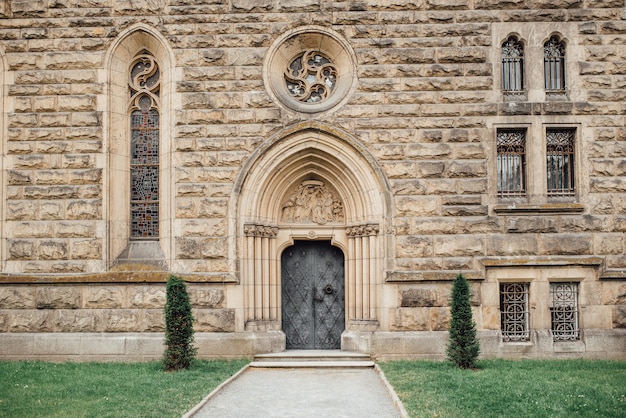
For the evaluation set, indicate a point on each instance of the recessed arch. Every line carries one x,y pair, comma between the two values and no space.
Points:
327,160
131,43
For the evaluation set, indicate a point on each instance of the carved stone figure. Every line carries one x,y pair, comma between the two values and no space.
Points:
313,202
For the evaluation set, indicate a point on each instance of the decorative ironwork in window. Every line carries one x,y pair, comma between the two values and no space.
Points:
144,85
512,66
311,77
511,162
554,66
514,311
560,161
564,311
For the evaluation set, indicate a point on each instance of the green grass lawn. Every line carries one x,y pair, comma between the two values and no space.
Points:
38,389
500,388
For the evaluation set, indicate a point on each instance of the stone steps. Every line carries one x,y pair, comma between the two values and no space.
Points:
312,359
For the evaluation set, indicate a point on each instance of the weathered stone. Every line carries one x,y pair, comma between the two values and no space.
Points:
410,319
149,297
119,320
619,316
75,321
86,249
206,298
17,298
570,244
59,297
103,297
214,320
414,298
52,250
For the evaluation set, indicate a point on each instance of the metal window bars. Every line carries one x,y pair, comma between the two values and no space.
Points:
554,66
511,162
564,311
514,311
560,162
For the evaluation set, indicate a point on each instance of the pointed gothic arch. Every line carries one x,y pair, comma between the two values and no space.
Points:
340,193
134,42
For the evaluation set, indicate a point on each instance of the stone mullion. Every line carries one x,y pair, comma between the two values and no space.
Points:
273,278
362,271
351,291
366,277
265,280
258,275
261,294
373,245
249,277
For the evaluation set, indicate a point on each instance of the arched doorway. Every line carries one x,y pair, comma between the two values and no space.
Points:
313,295
311,182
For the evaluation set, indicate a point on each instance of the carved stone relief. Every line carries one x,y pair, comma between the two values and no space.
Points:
312,201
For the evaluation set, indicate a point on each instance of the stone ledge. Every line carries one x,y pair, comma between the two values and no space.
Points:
429,276
131,346
493,262
550,208
613,275
116,277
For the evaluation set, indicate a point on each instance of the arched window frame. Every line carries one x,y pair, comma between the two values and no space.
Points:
130,44
554,50
513,77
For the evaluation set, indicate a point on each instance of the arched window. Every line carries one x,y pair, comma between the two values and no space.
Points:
554,65
512,66
144,89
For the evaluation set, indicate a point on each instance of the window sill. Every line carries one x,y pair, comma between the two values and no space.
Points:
549,208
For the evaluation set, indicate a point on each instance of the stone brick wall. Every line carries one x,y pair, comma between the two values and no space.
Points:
105,308
426,106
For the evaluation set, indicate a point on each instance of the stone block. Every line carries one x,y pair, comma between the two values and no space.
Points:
566,244
410,319
203,297
419,297
439,319
619,316
147,297
104,297
17,297
512,245
32,320
214,320
413,246
120,320
458,245
52,250
21,250
86,249
153,320
81,320
84,209
213,248
59,297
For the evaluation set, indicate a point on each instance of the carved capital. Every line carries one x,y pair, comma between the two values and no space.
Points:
364,230
257,230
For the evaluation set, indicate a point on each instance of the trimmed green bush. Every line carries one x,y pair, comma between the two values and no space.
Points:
463,347
179,351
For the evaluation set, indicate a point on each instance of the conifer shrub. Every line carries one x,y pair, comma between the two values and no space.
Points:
179,350
463,346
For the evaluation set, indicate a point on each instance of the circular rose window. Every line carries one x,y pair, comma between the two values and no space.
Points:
310,70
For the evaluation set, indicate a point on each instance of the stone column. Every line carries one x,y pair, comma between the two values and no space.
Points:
362,272
260,281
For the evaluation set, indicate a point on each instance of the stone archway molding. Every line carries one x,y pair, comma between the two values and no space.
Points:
318,156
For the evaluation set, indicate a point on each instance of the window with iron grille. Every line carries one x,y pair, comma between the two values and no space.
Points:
564,311
560,162
511,162
512,66
514,311
144,85
554,66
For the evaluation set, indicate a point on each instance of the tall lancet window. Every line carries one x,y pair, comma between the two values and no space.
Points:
144,85
512,67
554,66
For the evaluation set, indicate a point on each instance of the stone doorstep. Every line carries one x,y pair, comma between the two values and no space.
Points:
312,359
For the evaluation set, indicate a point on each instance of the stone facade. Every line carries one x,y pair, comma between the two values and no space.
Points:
402,158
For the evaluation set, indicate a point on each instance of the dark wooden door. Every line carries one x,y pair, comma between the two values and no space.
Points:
313,309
